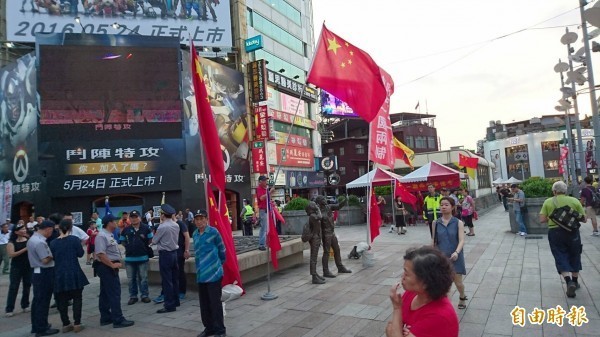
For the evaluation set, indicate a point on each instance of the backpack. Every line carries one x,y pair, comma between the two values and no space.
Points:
566,217
595,198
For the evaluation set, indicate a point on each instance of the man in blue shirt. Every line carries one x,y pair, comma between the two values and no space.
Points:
210,256
136,239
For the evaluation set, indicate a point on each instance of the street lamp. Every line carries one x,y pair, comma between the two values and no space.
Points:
575,76
565,105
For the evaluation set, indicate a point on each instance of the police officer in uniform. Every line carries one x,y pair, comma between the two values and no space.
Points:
431,206
247,214
107,264
166,238
42,263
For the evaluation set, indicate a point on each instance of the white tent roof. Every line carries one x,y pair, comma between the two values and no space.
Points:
376,176
498,181
513,180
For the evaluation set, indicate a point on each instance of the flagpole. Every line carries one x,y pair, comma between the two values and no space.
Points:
369,190
392,186
268,296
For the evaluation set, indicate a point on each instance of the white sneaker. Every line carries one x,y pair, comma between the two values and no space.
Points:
391,229
596,233
523,234
519,233
9,314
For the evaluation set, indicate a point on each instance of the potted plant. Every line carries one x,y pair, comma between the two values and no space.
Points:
536,190
295,216
352,213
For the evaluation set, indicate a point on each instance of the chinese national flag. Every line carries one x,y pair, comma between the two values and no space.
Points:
208,129
380,129
405,195
467,161
220,220
272,237
403,152
374,217
349,74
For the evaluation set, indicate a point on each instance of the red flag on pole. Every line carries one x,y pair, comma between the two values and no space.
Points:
349,74
208,130
467,161
374,217
272,237
405,195
380,129
220,220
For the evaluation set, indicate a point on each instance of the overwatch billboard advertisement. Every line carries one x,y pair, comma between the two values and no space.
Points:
226,93
18,128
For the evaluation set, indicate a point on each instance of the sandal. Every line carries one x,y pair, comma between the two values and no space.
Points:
461,304
471,234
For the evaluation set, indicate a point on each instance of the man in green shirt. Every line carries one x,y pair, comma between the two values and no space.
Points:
565,246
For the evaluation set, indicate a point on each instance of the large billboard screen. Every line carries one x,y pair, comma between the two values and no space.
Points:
122,92
208,22
333,106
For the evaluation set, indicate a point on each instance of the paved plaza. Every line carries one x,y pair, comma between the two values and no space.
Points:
504,270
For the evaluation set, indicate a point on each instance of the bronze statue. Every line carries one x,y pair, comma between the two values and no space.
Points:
312,235
329,238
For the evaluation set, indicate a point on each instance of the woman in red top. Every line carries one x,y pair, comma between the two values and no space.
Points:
423,310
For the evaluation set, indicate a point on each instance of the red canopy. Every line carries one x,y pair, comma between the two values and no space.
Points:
433,173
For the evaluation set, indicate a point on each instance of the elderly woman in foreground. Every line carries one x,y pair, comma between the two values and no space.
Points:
423,310
565,245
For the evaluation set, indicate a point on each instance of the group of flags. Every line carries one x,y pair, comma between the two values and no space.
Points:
351,75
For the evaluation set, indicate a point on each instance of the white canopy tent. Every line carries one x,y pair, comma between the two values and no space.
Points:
498,181
513,180
375,177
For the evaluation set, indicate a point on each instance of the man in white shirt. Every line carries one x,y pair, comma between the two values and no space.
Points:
4,236
31,224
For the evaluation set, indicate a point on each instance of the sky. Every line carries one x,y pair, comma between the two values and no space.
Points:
468,81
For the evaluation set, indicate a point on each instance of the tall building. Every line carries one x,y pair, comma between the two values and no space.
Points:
68,157
277,38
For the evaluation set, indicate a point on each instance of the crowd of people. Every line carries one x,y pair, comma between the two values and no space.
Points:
46,256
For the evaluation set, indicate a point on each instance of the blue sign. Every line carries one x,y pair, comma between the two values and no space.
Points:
254,43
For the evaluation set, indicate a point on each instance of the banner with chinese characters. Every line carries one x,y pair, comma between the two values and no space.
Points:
290,156
291,139
259,157
289,104
438,184
289,86
208,27
380,130
289,118
257,71
111,167
263,123
7,199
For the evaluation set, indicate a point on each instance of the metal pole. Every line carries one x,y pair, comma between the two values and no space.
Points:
582,163
268,295
571,153
591,84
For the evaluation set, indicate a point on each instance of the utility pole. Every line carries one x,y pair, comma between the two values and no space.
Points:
582,163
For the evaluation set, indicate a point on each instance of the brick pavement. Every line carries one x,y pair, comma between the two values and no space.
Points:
504,270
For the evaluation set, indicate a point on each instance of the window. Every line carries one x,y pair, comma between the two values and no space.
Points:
275,63
341,151
342,170
361,171
277,33
360,149
330,151
430,143
286,9
483,177
551,165
410,141
420,142
550,146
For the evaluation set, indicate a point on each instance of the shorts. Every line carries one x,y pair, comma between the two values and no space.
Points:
90,248
468,220
590,212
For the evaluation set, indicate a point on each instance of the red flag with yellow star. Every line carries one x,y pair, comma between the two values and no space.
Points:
349,74
220,220
208,129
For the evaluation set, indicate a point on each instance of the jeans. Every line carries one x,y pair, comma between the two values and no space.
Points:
137,274
62,303
211,308
262,233
43,286
169,274
16,275
182,278
109,301
505,203
566,248
519,220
